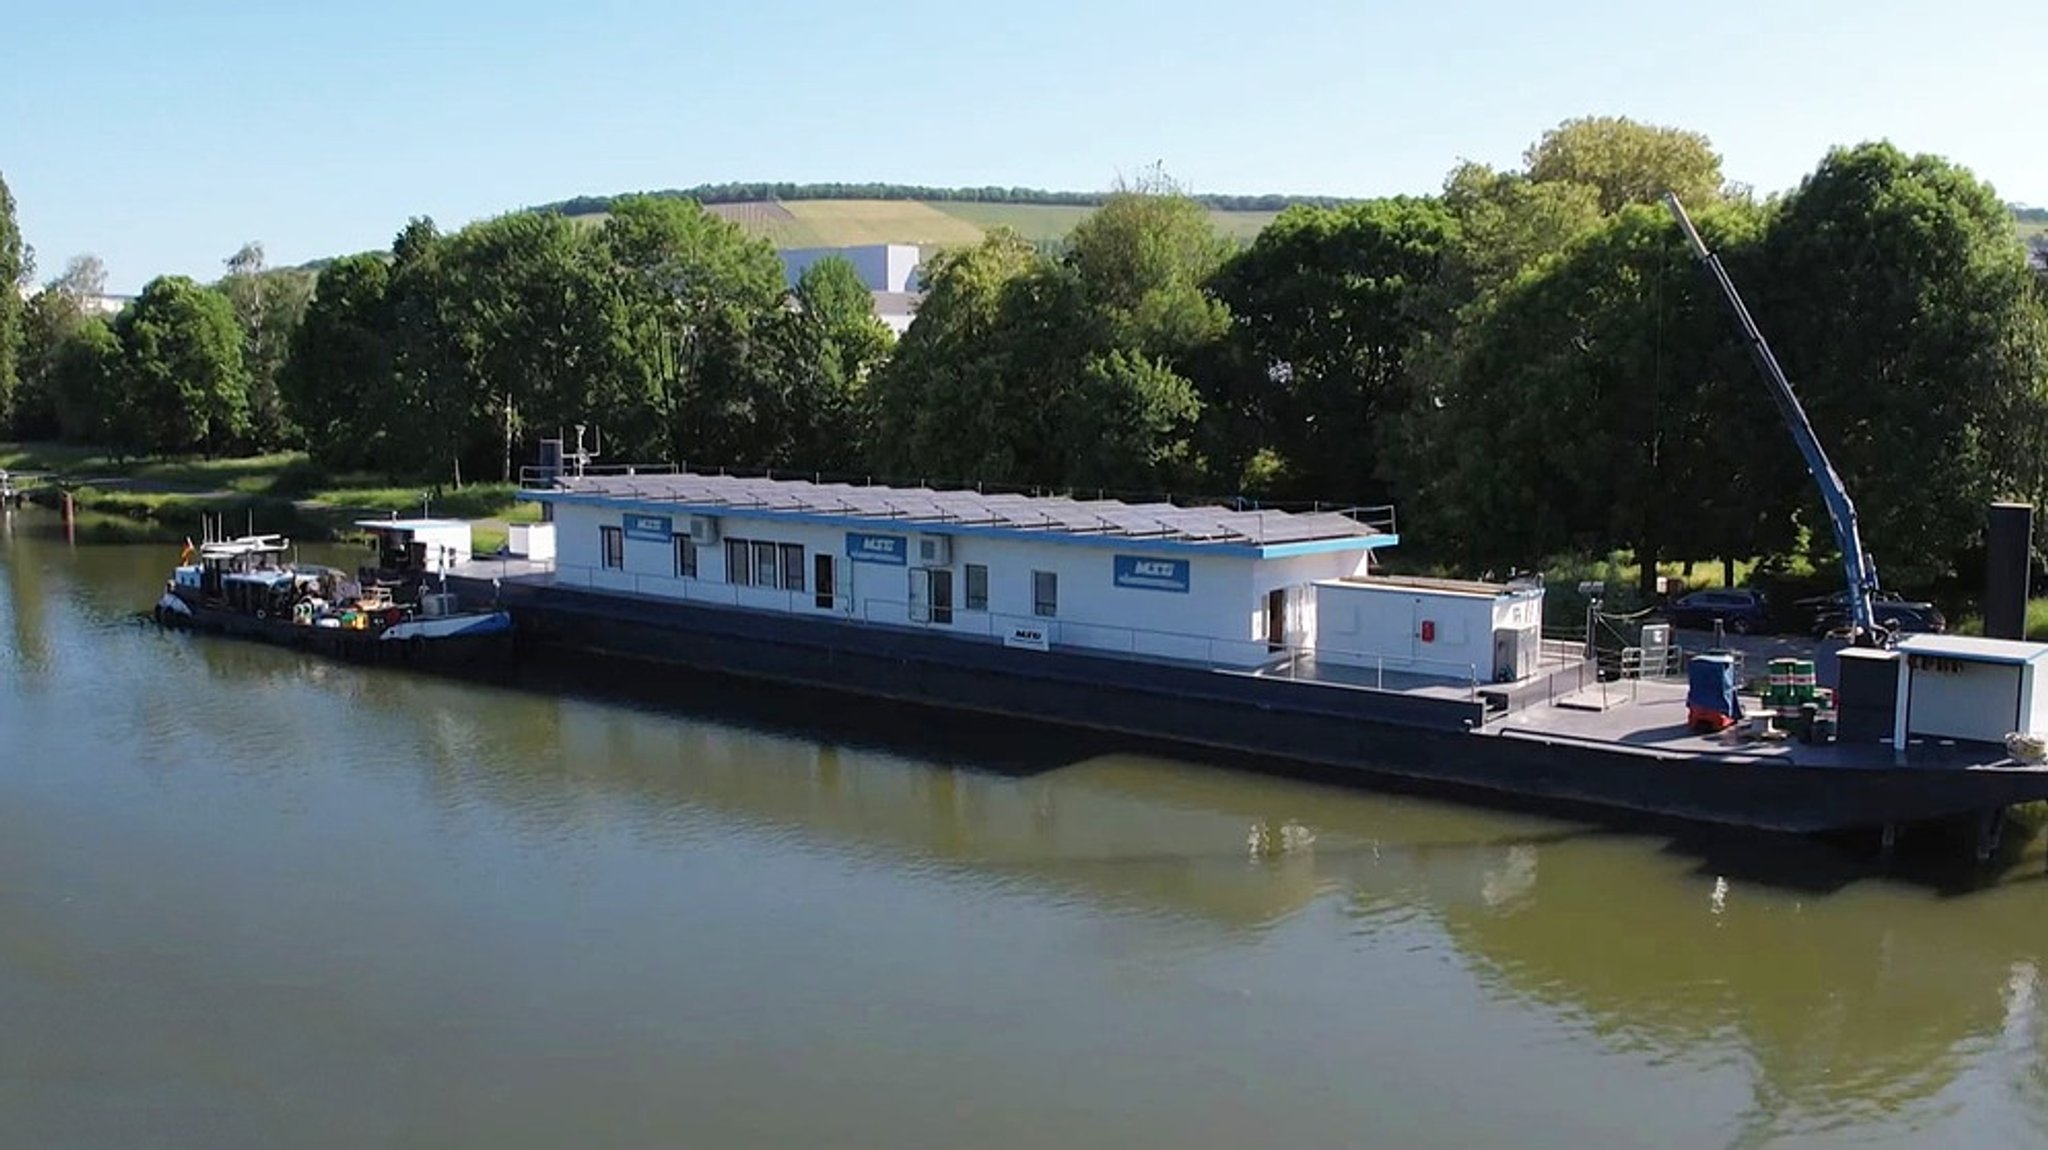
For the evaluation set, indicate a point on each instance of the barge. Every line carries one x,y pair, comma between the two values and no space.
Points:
1261,632
244,588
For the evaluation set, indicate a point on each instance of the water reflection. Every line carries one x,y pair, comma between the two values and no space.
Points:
1881,1009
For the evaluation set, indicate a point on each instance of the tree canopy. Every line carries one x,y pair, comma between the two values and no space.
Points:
1529,360
183,387
14,272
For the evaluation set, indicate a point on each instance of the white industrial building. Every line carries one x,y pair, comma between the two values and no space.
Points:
890,271
1208,584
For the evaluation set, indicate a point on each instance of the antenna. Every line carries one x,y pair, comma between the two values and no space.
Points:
582,455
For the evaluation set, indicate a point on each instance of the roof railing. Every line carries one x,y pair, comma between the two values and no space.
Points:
1379,518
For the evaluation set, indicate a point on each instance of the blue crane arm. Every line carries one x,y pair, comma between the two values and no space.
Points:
1858,570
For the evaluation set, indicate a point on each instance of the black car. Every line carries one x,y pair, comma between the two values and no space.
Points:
1895,615
1742,610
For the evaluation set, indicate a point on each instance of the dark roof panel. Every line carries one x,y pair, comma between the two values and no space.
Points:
933,509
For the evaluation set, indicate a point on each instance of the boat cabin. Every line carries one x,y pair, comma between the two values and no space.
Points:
254,556
1227,586
412,548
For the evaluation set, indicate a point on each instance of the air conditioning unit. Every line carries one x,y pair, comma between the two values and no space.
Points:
703,529
935,550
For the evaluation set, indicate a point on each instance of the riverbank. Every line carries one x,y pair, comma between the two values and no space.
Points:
167,500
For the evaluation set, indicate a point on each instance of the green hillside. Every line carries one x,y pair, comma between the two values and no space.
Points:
928,224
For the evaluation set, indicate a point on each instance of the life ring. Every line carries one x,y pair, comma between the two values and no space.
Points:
261,613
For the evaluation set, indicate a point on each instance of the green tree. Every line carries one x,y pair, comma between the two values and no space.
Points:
942,405
50,319
1627,162
523,310
1600,404
1899,300
1508,222
86,383
689,291
183,387
336,380
1021,368
832,344
14,272
1331,306
1131,298
269,303
433,412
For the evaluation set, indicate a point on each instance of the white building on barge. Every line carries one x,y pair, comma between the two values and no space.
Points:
1215,585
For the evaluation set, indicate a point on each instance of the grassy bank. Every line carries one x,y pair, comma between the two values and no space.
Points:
2037,621
286,493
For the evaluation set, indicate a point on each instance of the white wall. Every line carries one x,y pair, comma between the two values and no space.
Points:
882,267
1378,626
1968,700
1219,618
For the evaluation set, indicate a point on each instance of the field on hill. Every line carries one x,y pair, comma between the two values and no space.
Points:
928,224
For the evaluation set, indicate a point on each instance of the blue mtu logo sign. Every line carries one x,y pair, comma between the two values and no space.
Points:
891,549
1144,573
652,528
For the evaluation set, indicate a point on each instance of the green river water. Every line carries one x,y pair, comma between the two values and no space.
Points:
253,899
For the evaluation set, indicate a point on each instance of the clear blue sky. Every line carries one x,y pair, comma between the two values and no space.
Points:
160,136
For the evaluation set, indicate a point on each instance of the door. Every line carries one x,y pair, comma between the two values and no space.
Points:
1276,619
821,580
920,595
942,596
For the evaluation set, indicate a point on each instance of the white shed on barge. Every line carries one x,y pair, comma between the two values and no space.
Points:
424,545
1968,688
1219,585
1442,628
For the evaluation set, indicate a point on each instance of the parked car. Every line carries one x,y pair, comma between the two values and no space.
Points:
1895,615
1742,610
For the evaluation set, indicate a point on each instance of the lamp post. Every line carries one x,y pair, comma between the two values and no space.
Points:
1593,590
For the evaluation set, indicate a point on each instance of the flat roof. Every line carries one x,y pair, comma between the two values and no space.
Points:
968,511
409,524
1473,587
1973,648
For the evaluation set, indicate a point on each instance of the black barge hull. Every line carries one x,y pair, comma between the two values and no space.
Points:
448,652
1427,739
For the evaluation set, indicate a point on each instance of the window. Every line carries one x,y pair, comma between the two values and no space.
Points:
758,563
686,558
1045,593
767,566
613,545
824,581
977,587
793,566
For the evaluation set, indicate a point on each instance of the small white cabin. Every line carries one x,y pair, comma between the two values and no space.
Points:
1444,628
1972,689
427,546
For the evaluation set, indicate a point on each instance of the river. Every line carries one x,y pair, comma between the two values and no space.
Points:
253,899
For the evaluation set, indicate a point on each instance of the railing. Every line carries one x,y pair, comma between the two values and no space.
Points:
533,477
1299,662
1379,518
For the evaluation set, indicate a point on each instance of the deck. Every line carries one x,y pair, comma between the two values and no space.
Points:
1649,716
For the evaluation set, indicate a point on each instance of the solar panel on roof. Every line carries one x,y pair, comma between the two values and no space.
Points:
1008,509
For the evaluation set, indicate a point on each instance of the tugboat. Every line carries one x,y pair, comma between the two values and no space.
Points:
244,587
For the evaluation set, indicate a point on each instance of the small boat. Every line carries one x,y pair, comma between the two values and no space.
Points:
244,587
